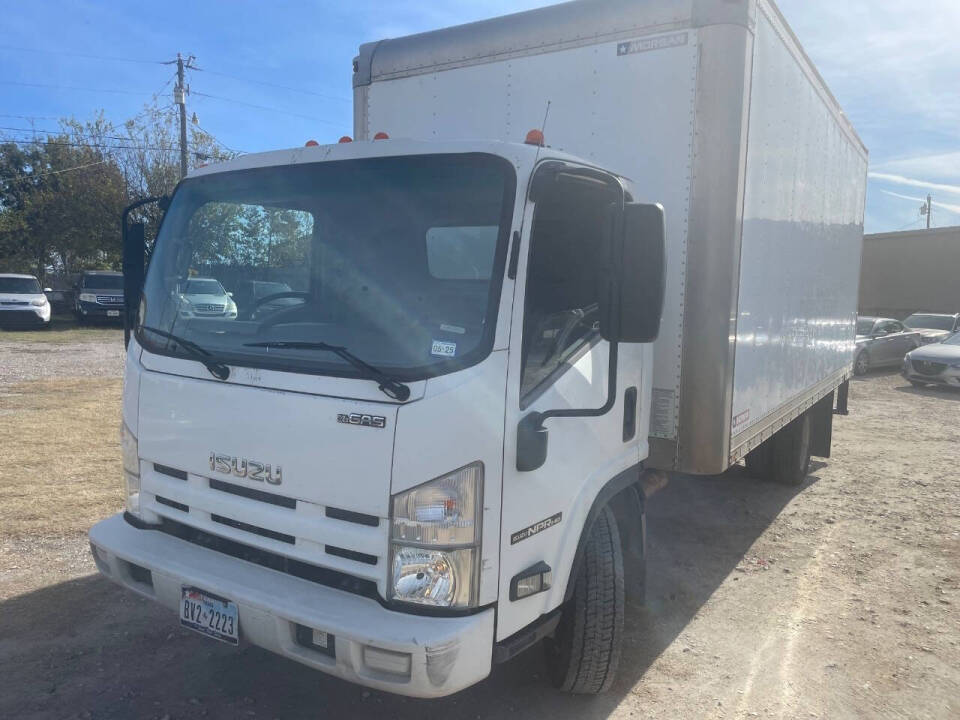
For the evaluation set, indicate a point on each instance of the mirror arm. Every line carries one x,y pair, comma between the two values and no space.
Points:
164,202
595,412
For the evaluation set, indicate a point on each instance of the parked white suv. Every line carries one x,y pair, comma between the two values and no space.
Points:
22,302
205,297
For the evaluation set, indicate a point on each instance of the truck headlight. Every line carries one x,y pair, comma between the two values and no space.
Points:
88,297
435,540
131,469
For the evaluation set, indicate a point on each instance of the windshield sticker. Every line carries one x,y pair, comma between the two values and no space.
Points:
453,329
443,349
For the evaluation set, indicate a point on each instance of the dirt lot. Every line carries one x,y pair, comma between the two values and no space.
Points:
837,599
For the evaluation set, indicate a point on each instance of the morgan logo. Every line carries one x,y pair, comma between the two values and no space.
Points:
538,527
374,421
244,468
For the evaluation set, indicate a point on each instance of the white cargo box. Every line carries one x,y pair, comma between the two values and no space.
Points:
712,108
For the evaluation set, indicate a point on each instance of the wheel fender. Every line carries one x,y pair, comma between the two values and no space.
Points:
629,512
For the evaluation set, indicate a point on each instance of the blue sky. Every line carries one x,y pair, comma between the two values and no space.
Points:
893,66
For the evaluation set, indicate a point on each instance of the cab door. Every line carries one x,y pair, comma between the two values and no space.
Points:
559,361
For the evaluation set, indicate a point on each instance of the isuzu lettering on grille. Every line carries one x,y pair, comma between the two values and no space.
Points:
244,468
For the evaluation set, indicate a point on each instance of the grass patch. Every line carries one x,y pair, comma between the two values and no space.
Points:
64,329
61,467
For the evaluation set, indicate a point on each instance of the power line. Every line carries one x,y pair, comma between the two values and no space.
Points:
81,55
50,172
93,146
73,87
31,117
274,85
265,107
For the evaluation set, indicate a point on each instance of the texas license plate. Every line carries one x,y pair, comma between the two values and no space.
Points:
209,614
113,313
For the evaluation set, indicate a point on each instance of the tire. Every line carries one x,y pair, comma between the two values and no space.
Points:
759,461
862,364
583,654
791,452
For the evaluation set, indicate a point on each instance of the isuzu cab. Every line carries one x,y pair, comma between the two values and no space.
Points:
567,251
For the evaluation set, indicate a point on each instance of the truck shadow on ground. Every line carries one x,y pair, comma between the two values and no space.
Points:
87,649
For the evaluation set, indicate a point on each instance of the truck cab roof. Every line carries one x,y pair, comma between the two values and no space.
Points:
522,156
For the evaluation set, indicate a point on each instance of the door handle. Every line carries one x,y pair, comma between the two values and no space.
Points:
629,414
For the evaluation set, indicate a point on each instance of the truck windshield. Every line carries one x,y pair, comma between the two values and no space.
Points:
399,260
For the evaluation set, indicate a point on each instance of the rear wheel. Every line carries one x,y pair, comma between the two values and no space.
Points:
791,452
861,364
584,653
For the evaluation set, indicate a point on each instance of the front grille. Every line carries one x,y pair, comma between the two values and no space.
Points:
925,367
20,317
173,503
170,472
14,302
110,299
353,517
247,527
252,494
350,554
208,308
322,576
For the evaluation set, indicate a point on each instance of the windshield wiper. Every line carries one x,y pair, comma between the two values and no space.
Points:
391,387
217,369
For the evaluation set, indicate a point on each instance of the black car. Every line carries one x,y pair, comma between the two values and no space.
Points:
98,295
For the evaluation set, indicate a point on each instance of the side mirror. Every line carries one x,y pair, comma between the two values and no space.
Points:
531,443
46,290
134,256
635,277
229,294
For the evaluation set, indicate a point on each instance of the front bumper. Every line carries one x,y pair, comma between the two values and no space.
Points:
96,310
445,654
950,376
25,316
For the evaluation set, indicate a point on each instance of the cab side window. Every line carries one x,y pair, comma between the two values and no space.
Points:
561,308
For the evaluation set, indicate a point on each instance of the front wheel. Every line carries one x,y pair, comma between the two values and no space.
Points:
584,653
861,364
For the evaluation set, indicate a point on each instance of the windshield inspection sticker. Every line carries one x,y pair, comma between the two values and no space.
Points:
443,349
538,527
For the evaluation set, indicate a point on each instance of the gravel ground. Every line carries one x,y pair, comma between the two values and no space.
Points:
100,356
837,599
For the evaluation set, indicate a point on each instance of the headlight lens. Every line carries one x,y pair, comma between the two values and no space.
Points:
40,302
88,297
435,540
131,469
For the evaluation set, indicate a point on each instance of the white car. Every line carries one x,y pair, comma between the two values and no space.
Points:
205,297
934,364
22,302
933,327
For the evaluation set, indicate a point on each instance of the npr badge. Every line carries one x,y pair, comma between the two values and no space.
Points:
538,527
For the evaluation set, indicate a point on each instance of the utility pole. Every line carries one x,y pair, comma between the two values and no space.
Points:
180,98
927,209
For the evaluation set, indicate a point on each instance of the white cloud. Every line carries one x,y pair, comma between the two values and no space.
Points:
942,167
943,206
912,182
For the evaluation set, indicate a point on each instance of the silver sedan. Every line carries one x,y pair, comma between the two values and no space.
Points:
882,342
936,364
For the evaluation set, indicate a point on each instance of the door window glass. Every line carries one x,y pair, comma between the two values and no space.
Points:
561,308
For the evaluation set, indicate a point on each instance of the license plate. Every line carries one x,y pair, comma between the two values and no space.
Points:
113,313
210,615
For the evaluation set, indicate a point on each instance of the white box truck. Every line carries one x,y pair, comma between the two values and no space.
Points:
421,445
